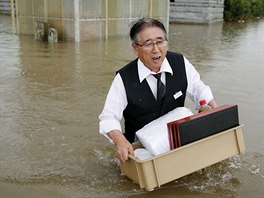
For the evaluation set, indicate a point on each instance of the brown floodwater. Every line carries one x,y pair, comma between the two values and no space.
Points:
52,94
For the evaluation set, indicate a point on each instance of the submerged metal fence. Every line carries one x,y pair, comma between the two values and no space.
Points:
7,7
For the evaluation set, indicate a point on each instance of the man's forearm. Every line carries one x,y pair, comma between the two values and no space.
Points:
116,135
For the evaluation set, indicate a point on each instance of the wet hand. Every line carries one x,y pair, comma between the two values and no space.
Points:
212,104
122,145
123,149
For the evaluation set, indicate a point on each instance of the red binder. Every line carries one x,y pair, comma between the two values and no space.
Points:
201,125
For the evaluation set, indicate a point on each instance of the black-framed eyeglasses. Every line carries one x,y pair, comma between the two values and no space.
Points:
149,45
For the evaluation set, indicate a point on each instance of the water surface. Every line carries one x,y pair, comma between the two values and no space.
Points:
52,94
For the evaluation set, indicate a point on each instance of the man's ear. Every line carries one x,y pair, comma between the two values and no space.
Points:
135,47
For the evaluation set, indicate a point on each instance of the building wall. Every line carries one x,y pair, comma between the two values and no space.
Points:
82,20
196,11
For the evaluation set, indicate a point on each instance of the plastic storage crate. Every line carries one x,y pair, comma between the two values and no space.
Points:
169,166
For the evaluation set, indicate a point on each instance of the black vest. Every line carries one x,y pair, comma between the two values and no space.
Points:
142,106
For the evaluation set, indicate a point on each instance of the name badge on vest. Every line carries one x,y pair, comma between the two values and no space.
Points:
177,95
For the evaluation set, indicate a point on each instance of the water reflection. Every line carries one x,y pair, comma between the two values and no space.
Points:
52,94
197,43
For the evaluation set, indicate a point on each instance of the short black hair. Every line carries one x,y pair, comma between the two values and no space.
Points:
140,24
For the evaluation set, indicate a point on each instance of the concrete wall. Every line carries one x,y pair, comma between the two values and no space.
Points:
82,20
196,11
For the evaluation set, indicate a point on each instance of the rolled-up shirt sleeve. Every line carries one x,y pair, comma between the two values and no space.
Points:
197,90
114,106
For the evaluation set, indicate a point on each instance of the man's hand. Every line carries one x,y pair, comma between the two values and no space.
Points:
123,147
212,104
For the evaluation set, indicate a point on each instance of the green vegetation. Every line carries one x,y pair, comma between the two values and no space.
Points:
243,9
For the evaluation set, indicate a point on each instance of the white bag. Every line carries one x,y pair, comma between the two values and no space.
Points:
154,136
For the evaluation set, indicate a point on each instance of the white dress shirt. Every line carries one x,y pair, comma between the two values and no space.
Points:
116,100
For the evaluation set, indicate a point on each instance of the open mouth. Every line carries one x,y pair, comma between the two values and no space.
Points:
156,58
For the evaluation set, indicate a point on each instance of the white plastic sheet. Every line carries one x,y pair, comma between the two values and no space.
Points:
154,136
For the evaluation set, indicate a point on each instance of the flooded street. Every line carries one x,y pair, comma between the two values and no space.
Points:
51,96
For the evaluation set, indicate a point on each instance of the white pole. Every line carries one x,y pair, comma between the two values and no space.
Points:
45,11
12,9
77,20
130,11
17,17
168,17
150,8
106,20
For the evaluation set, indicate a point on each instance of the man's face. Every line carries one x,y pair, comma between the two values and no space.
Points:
152,55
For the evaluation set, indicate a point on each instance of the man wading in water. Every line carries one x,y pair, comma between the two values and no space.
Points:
133,93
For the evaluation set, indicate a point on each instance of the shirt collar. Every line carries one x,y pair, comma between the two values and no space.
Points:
144,72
